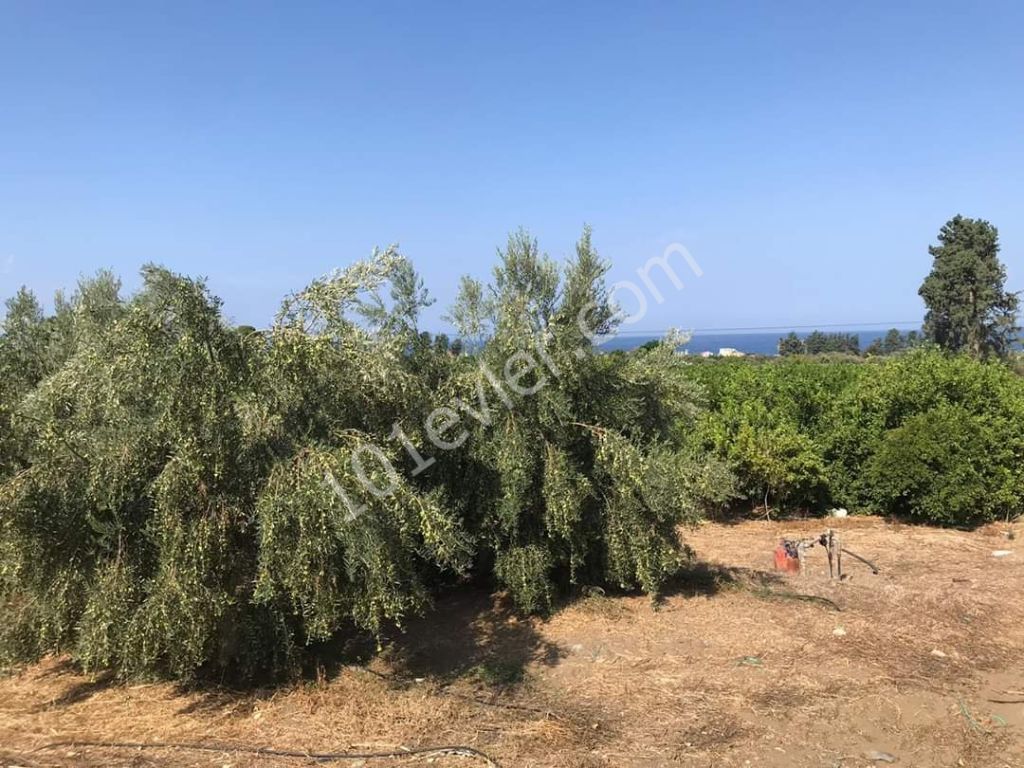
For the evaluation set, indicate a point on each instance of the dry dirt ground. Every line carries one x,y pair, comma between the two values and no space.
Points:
732,669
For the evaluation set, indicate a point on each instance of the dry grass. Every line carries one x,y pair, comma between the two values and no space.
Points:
729,670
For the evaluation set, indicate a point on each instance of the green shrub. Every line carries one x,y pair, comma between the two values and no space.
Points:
869,435
948,465
766,420
904,400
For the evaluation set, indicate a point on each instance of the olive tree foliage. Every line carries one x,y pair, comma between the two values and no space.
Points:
112,526
166,509
22,364
573,468
343,534
184,498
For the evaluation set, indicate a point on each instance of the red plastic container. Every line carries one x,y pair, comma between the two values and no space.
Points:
784,561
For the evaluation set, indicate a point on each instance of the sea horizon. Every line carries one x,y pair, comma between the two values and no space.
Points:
747,342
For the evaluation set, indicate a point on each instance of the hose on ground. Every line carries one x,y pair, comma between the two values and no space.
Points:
319,757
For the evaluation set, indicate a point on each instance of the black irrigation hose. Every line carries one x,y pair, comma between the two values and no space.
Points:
319,757
868,563
774,594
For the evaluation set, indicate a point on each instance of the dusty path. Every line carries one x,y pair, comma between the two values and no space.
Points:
729,671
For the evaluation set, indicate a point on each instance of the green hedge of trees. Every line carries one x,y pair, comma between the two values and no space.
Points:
819,343
924,434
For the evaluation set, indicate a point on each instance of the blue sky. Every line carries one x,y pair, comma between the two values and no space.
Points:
806,153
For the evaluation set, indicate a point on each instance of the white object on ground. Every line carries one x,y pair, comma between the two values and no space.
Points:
1002,552
879,757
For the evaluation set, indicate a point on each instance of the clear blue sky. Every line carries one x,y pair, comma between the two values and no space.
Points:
805,152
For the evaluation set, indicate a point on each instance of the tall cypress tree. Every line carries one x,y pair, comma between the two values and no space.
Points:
969,308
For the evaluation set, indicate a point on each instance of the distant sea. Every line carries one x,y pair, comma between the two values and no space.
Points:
759,343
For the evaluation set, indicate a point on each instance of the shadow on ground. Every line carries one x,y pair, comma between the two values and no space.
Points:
80,691
471,634
703,579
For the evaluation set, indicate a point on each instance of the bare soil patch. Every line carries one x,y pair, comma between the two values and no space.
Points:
922,661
